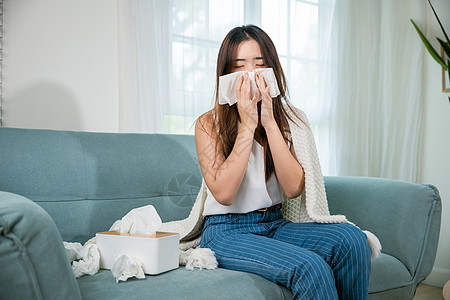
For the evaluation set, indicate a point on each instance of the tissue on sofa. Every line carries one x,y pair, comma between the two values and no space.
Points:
125,267
84,259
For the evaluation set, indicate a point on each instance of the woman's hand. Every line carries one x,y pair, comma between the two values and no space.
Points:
267,118
246,107
290,173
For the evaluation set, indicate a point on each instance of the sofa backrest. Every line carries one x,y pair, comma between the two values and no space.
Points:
86,181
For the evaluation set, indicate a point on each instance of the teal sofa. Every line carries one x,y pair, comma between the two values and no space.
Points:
65,186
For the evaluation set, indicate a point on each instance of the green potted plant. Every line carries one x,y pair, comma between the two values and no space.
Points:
445,44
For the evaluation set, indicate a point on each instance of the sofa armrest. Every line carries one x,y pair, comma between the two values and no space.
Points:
405,216
34,262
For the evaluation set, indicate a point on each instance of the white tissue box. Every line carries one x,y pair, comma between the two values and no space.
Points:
158,253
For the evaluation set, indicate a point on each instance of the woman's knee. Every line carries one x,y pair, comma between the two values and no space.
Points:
355,241
309,268
313,279
317,267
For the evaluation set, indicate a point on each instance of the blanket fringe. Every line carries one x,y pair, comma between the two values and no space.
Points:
374,243
200,258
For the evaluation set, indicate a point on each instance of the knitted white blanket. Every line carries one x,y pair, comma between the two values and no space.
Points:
311,206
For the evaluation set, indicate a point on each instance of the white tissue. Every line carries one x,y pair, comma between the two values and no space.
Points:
73,251
84,259
125,267
227,85
141,220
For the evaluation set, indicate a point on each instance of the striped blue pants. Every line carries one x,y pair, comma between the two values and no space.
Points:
314,261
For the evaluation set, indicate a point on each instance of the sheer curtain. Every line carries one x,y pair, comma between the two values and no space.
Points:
354,67
168,52
370,87
144,58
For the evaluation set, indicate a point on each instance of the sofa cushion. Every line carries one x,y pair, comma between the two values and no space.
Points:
183,284
388,272
42,165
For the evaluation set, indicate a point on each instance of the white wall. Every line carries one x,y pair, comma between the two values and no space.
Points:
61,65
435,165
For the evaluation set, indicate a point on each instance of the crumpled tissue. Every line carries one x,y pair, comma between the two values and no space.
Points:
227,85
84,259
125,267
73,250
141,220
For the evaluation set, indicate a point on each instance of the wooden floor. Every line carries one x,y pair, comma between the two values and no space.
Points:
428,292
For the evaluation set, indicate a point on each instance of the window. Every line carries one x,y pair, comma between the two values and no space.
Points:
197,32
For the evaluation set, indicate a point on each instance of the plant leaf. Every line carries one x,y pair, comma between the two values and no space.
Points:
448,64
430,48
440,24
446,47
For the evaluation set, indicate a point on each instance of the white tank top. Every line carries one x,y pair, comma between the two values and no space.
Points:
254,193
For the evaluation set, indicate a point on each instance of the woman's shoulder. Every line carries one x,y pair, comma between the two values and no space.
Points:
205,122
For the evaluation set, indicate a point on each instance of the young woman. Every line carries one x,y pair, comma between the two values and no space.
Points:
247,158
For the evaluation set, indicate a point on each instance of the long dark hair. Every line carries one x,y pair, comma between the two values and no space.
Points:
225,118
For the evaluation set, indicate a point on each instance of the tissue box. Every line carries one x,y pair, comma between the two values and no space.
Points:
158,253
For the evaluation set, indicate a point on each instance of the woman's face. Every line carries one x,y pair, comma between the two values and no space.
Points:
248,57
